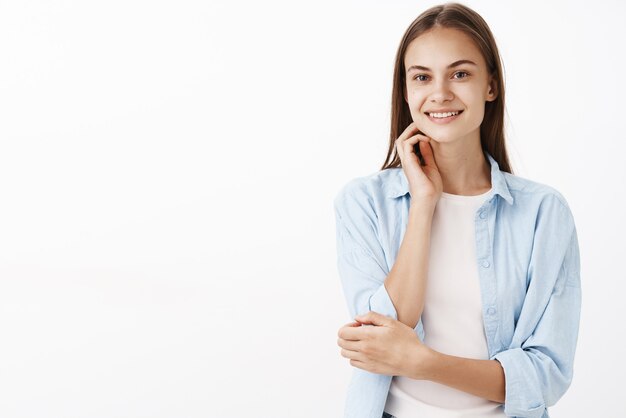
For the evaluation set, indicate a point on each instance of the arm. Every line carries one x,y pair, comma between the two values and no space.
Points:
367,283
536,368
483,378
406,283
539,361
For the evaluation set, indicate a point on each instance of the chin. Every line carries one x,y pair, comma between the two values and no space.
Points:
442,136
438,135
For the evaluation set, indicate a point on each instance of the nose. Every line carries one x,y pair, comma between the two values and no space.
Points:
441,92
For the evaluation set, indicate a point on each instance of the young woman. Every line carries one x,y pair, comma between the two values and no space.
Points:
463,278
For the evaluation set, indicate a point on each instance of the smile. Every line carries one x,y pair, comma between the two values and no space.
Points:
443,117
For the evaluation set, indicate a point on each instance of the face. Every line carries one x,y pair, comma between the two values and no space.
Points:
433,86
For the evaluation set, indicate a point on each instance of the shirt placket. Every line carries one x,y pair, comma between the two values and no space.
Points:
484,222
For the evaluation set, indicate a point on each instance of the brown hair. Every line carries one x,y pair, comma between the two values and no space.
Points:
460,17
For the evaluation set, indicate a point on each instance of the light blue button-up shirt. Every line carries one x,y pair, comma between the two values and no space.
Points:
529,269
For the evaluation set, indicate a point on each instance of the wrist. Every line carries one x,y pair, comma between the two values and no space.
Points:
425,363
420,207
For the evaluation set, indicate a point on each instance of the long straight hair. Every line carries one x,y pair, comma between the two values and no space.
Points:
460,17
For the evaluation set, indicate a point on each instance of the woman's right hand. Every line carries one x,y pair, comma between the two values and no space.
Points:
425,182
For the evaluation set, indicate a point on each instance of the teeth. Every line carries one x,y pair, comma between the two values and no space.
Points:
443,115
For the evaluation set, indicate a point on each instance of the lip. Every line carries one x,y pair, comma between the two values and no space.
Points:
443,121
444,111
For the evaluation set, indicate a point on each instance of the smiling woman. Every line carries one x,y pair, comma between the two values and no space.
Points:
499,252
441,95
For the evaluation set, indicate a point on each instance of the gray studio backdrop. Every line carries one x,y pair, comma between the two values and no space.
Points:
167,170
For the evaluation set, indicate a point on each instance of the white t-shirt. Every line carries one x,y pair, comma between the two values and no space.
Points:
452,316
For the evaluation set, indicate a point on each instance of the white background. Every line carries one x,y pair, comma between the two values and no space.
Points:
167,170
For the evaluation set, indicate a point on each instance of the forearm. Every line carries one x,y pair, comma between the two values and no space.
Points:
483,378
406,282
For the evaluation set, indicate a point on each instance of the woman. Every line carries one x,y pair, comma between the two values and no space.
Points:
463,279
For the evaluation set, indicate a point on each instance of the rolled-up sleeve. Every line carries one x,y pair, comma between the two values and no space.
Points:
360,257
538,365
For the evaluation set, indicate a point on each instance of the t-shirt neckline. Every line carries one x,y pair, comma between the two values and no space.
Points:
463,198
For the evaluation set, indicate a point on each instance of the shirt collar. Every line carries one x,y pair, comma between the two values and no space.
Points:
498,183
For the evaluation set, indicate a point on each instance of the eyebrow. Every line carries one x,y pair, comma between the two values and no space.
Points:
454,64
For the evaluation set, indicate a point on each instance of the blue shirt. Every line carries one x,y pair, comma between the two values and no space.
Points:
528,262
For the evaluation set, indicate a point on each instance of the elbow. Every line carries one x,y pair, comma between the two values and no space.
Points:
556,391
533,381
553,373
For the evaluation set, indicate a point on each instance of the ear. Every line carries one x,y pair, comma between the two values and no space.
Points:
492,89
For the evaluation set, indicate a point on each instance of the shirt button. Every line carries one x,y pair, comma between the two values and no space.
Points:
483,215
485,264
491,311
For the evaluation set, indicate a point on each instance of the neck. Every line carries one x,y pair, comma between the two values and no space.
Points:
463,167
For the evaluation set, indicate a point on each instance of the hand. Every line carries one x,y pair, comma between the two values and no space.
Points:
424,181
389,347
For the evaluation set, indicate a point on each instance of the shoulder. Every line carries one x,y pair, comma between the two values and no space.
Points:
527,189
543,200
369,190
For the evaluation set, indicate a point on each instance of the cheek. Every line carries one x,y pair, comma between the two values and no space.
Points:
415,101
476,116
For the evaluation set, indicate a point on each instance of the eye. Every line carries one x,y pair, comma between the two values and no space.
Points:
465,75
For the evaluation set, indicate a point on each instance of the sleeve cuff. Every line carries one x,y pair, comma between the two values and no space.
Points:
522,397
381,302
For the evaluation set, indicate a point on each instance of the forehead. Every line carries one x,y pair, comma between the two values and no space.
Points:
439,47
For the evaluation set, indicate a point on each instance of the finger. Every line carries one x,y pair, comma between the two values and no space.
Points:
408,131
359,364
352,333
353,355
413,139
418,137
348,345
409,143
349,324
399,149
344,330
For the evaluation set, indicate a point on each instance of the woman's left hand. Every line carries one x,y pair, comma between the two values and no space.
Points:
389,347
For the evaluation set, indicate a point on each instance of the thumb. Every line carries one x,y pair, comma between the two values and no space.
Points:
373,318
